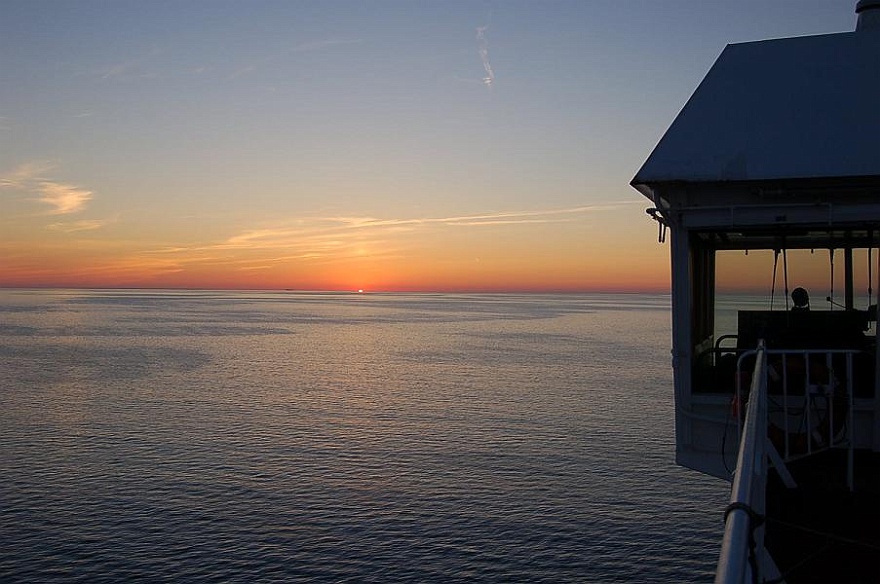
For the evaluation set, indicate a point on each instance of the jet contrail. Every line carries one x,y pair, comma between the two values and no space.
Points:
484,55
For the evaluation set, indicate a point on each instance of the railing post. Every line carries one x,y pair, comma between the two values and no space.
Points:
808,403
785,404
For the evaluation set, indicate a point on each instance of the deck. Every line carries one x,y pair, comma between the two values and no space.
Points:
820,531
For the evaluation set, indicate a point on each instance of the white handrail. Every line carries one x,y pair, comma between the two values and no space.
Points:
743,525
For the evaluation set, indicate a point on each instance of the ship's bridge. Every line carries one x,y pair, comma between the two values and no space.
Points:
776,156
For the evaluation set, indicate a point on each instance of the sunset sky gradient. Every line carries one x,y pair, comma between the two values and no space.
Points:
342,145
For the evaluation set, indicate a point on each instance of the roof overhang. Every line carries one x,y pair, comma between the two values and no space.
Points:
796,115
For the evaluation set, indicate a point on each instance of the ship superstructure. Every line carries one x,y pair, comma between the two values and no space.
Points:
777,154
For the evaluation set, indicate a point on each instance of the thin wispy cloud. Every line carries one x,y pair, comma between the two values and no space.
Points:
137,267
84,225
63,198
334,240
25,175
138,67
270,62
35,179
116,70
126,70
241,72
323,234
311,46
508,217
483,49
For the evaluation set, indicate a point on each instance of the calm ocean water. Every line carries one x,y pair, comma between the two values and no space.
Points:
291,437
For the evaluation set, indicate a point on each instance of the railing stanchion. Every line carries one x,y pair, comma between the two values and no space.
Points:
785,404
829,398
808,405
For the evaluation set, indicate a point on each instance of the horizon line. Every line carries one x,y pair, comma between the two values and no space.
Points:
439,290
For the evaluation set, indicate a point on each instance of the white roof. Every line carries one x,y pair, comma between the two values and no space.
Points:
805,107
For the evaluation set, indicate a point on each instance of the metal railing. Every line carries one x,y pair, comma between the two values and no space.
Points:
811,409
808,390
743,530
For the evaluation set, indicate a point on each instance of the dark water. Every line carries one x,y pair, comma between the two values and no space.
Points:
258,437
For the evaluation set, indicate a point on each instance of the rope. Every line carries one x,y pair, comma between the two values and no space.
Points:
826,534
785,272
756,520
831,292
773,287
803,562
870,268
830,541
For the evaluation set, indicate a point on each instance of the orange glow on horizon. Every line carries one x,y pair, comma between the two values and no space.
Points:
580,253
399,279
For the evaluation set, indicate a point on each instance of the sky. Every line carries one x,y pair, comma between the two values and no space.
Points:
350,145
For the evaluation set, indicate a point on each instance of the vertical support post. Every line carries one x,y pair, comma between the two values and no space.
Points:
680,253
875,439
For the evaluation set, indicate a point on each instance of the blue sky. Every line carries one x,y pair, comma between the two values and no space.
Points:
350,144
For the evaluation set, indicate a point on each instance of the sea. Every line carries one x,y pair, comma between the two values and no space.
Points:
214,436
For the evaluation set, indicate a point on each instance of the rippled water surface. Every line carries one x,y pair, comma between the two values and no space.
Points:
259,437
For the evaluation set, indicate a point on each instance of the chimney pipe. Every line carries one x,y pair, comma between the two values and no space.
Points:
869,15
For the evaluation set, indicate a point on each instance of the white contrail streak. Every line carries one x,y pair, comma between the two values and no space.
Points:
489,79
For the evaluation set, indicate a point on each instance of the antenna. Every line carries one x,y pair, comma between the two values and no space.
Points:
833,303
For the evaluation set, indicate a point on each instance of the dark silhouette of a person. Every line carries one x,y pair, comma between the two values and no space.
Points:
801,300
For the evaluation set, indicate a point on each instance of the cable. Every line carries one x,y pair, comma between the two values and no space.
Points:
785,273
825,534
870,268
831,258
734,403
773,286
